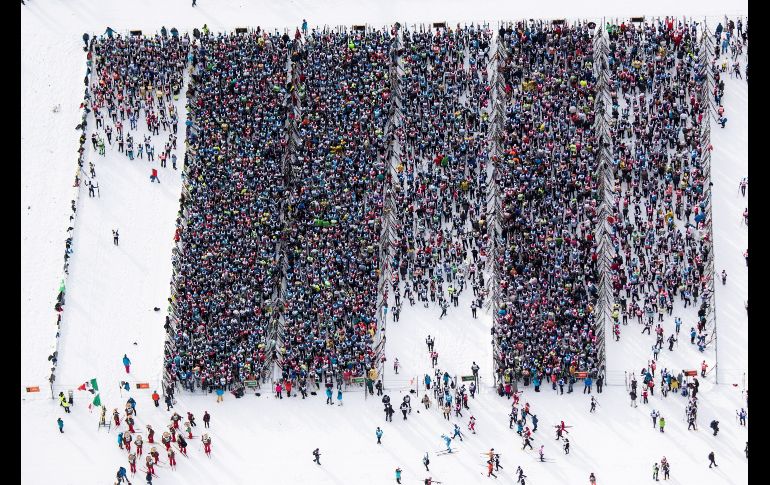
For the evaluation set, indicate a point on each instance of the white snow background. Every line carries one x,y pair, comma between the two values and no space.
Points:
111,292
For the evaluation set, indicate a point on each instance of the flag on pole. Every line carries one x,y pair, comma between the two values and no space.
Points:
89,386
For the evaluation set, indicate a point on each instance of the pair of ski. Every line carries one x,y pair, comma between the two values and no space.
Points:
445,452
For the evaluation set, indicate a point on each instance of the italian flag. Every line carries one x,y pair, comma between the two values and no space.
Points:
93,387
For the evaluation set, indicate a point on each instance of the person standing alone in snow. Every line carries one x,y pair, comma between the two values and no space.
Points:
115,237
127,363
317,455
60,422
398,475
711,460
378,433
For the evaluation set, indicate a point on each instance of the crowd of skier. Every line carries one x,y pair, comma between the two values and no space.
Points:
335,205
440,167
660,211
291,157
227,263
548,270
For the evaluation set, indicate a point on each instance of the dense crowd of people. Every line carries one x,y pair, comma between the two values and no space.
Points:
439,189
335,205
266,205
660,247
545,322
227,271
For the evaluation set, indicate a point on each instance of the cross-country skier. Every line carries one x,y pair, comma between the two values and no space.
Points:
593,405
457,433
317,455
206,443
121,475
490,473
566,446
426,461
447,441
171,457
472,425
742,417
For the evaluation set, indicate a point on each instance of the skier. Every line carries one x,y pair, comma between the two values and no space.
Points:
593,405
711,460
150,464
121,475
472,424
395,365
654,415
566,446
742,417
426,461
317,455
148,477
191,419
527,442
139,443
150,434
490,473
404,408
457,433
171,457
724,280
60,423
447,441
126,363
182,444
592,478
154,176
378,433
430,343
206,443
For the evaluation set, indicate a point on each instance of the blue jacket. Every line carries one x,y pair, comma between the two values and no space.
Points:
60,423
588,381
122,472
427,380
120,438
126,360
379,433
328,392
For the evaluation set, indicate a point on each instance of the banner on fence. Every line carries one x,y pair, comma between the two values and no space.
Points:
468,378
33,389
142,385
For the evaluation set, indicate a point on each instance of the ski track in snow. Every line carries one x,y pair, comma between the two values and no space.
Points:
111,292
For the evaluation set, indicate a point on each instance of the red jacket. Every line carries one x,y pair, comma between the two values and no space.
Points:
154,172
155,396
